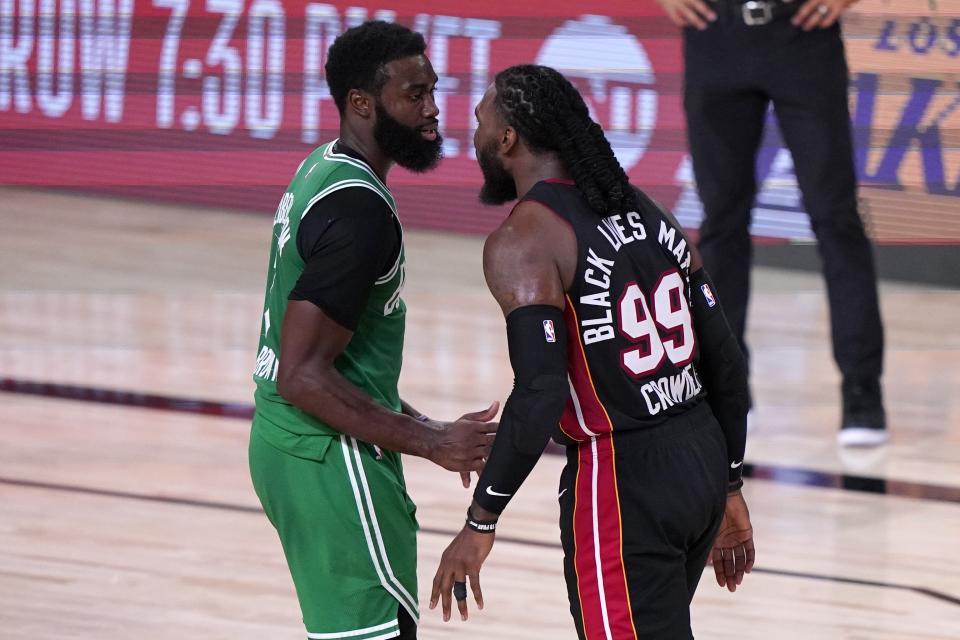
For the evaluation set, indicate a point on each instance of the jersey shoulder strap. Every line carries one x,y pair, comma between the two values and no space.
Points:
345,168
555,195
665,230
325,171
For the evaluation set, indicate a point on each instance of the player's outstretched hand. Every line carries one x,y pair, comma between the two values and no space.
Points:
461,562
733,550
464,445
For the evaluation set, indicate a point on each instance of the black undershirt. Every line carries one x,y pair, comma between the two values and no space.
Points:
347,239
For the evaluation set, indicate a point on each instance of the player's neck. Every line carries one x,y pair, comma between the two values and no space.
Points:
537,169
369,150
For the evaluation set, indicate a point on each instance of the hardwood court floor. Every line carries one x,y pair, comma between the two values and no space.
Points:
123,522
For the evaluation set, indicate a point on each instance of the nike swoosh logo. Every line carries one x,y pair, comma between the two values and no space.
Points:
560,495
491,492
734,465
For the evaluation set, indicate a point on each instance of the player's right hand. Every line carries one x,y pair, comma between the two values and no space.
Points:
689,13
460,562
464,445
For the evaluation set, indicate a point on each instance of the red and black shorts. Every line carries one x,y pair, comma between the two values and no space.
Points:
638,514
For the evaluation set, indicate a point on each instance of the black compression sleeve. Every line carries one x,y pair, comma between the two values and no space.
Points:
347,240
537,339
722,369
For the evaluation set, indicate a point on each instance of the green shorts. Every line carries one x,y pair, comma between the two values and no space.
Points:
348,530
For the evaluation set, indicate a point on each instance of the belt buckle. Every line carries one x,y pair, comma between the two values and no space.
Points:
757,12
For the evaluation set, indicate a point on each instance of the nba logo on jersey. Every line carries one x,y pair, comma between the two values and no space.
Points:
708,294
548,331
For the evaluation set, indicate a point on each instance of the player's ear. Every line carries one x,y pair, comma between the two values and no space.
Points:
360,102
508,139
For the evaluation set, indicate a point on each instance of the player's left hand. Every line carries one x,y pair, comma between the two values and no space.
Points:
821,14
733,550
461,561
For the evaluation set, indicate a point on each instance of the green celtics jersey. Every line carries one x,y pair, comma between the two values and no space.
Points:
371,360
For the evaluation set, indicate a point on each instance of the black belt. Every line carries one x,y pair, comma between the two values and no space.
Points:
756,13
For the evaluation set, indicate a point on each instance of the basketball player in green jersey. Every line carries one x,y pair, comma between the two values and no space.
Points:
329,425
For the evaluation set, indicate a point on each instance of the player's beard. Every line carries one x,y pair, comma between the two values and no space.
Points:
498,185
405,145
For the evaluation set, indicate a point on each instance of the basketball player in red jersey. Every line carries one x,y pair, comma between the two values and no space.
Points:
621,352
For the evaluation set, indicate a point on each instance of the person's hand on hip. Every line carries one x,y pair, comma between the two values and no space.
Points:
821,14
688,13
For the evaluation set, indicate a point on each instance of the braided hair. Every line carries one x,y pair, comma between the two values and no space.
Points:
550,115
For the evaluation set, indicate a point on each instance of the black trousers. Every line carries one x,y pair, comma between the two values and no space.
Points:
639,511
733,72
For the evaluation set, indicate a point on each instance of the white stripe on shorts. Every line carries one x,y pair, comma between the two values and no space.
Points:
409,605
376,529
393,625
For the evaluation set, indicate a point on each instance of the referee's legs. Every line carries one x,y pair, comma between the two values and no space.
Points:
811,105
724,126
